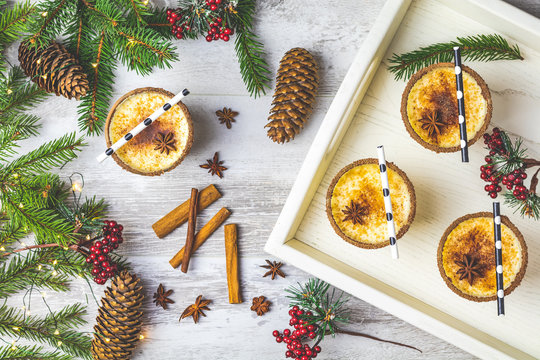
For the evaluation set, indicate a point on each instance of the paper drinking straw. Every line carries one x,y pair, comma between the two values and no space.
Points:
461,105
387,203
142,125
498,257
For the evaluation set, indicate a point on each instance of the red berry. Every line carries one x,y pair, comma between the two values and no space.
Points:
493,195
105,264
300,312
208,38
225,38
522,197
279,339
288,353
317,349
101,258
179,35
275,333
213,7
286,332
295,308
95,271
89,259
304,357
312,335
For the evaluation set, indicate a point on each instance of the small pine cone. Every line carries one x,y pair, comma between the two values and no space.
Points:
296,85
54,69
118,325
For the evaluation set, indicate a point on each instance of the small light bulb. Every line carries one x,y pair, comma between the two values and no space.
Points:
141,337
2,248
44,77
55,262
23,244
59,343
39,267
16,328
88,237
65,248
28,313
43,294
94,65
56,332
38,61
9,91
80,275
55,273
14,175
44,14
107,340
21,205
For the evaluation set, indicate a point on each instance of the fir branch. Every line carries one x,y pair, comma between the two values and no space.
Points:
157,20
14,323
17,94
27,352
143,49
48,23
250,52
49,155
488,47
13,22
99,62
23,272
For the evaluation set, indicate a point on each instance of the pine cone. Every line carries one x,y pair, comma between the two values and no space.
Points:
54,69
119,321
296,85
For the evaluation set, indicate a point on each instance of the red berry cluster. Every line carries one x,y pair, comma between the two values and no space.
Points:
178,27
213,4
217,31
513,180
104,268
304,331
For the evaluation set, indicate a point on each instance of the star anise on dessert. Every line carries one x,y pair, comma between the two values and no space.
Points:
214,166
161,297
164,142
355,213
226,116
432,123
274,270
468,268
196,309
260,305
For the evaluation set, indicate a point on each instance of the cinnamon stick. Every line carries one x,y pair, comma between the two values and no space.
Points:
179,215
202,235
231,257
192,223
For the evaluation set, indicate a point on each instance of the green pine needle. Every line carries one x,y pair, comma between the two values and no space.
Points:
488,47
27,352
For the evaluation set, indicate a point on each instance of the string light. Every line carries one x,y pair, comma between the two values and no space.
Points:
55,262
15,176
44,77
44,14
59,343
21,205
54,273
39,267
77,186
2,248
141,337
66,248
43,294
9,91
13,347
27,312
16,328
56,332
38,61
23,244
88,237
107,340
94,65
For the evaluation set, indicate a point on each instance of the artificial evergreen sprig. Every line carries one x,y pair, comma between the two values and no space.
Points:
99,32
318,305
195,18
25,352
485,47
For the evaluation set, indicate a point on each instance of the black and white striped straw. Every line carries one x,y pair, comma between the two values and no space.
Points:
461,105
142,125
498,257
387,202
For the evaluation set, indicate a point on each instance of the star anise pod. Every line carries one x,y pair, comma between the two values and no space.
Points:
196,309
164,142
226,116
274,270
468,268
161,297
355,213
432,123
260,305
214,166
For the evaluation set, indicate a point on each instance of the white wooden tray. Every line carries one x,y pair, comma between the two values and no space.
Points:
364,114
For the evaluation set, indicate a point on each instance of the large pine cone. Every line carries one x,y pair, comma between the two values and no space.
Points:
296,85
119,321
54,69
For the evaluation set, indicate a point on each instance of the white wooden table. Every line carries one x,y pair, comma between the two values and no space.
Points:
255,187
